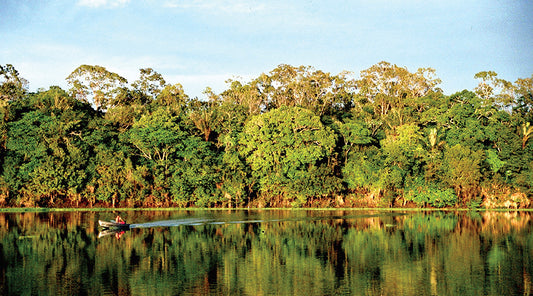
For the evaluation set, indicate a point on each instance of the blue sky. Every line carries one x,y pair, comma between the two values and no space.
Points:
202,43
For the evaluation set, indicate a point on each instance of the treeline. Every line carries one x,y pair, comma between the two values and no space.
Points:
295,136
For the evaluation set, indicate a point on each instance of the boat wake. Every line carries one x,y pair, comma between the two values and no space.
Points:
207,221
196,222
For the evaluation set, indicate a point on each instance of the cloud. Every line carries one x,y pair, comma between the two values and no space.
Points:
102,3
217,6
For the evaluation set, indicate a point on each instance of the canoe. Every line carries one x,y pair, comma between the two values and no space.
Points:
112,224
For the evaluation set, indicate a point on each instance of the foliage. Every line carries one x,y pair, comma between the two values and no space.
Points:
462,170
284,148
294,136
12,86
362,169
95,84
424,194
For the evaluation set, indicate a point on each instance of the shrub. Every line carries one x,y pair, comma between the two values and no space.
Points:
431,195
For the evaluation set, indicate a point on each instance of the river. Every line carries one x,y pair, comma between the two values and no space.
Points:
268,252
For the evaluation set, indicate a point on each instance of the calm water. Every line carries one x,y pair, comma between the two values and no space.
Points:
268,253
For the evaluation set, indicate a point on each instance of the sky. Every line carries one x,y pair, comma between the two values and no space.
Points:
202,43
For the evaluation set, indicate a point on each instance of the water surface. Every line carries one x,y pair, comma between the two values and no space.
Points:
268,252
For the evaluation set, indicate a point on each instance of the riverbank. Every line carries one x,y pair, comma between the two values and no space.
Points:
117,210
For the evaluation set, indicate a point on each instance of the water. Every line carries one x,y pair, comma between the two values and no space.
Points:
268,252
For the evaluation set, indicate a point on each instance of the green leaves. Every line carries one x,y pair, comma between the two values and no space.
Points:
12,86
282,145
362,169
95,84
156,136
494,161
462,170
285,139
294,136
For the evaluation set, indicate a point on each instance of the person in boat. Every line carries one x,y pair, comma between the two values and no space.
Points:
119,220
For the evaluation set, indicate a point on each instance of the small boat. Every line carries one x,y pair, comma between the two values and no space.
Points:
113,224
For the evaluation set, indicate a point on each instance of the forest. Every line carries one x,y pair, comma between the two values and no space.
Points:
292,137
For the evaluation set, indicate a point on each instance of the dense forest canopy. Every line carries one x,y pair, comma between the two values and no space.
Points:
295,136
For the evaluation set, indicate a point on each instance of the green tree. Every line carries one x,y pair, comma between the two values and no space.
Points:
195,174
247,95
284,148
524,98
354,134
115,177
362,169
290,86
526,130
174,98
462,170
393,92
12,86
128,104
157,136
150,83
493,90
434,144
180,163
204,115
235,176
46,146
95,84
404,153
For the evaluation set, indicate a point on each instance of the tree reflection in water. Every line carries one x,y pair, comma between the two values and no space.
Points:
268,252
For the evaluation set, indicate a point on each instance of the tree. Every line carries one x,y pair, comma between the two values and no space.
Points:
12,86
150,83
493,90
461,117
128,104
295,135
362,169
524,97
195,174
157,136
25,150
355,134
390,89
301,86
204,115
95,84
114,178
404,154
174,98
461,170
46,148
526,130
404,147
434,143
247,95
284,148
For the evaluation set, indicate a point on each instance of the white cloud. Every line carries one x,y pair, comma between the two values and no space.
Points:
102,3
217,6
